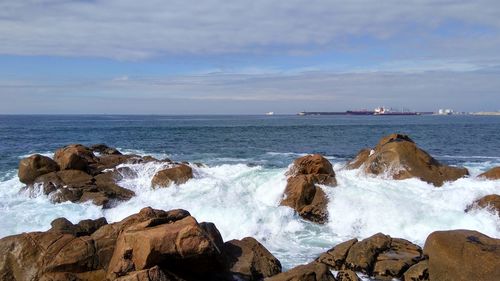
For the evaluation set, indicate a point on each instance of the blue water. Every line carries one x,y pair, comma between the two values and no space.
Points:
220,139
247,158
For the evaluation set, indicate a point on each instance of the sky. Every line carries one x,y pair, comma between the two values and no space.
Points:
247,57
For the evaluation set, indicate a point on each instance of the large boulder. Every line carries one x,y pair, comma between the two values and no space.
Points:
178,175
462,255
380,256
103,149
418,272
75,157
310,272
302,193
249,260
492,174
489,202
152,245
34,166
398,156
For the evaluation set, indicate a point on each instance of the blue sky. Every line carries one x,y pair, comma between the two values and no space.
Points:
246,57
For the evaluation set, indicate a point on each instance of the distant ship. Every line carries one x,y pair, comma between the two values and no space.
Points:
270,113
359,112
387,111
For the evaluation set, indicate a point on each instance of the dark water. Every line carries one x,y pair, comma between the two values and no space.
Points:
220,139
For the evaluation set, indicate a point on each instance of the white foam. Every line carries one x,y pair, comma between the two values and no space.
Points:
244,201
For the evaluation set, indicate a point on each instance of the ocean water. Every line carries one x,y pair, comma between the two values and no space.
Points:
247,157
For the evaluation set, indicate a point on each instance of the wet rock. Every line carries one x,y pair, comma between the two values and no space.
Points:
347,275
104,149
397,155
178,175
301,192
34,166
393,262
152,245
310,272
490,202
492,174
249,260
335,257
360,159
362,255
75,157
462,255
418,272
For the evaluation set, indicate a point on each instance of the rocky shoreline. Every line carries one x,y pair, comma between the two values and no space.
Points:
172,245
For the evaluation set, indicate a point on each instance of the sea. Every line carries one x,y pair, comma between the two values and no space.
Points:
242,182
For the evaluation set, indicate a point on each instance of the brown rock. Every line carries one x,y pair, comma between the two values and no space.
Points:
418,272
34,166
152,274
362,255
398,156
310,272
104,149
249,260
492,174
461,255
490,202
75,157
75,178
393,262
360,159
177,246
178,175
335,257
347,275
301,192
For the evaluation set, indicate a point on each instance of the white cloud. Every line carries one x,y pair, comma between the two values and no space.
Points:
134,30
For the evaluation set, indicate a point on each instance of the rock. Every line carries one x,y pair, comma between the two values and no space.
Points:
347,275
249,260
152,274
112,160
181,245
418,272
178,175
152,245
398,156
75,157
362,255
492,174
393,262
301,192
461,255
335,257
34,166
490,202
104,149
310,272
360,159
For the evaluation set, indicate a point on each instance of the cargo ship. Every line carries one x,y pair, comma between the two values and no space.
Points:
387,111
383,111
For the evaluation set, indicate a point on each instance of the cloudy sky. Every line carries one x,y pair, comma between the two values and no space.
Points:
246,57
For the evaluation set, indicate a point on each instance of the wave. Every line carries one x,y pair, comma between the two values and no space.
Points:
243,200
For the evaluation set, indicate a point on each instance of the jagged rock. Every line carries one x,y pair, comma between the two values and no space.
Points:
490,202
347,275
362,255
83,228
152,274
335,257
310,272
393,262
460,255
178,175
152,245
104,149
492,174
75,157
398,156
418,272
249,260
301,192
34,166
